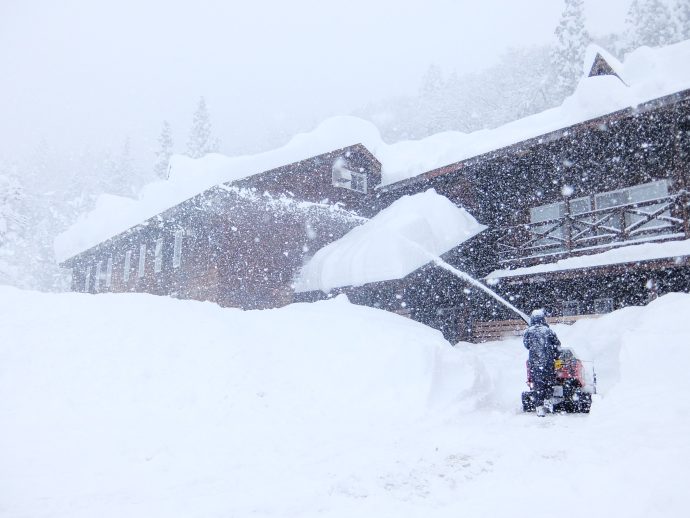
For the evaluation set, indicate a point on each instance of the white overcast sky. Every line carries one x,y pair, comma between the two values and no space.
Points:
88,73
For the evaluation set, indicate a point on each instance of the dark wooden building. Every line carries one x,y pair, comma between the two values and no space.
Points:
239,244
607,183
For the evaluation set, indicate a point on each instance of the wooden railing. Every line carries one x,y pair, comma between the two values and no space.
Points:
658,219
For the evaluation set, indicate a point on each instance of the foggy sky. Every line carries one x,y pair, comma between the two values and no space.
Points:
88,73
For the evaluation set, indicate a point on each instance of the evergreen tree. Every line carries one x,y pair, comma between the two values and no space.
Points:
122,179
569,53
432,109
165,151
201,141
12,228
432,82
516,86
648,22
11,194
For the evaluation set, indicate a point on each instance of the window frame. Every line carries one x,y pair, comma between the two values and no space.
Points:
598,303
350,180
97,276
141,270
158,256
177,248
126,269
109,272
567,305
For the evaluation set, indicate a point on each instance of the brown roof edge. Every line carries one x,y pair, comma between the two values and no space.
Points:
69,262
539,139
359,146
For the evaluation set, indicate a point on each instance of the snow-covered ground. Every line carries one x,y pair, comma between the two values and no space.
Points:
140,406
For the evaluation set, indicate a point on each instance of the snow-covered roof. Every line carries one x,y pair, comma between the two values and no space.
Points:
622,255
649,74
391,245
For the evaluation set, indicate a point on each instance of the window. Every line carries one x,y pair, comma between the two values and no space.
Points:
605,200
556,211
158,256
580,205
608,200
128,265
109,272
603,306
97,277
177,249
142,260
637,194
645,192
87,280
571,308
546,213
358,182
343,177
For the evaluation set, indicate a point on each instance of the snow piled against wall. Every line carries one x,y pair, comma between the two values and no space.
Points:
391,245
649,73
134,405
622,255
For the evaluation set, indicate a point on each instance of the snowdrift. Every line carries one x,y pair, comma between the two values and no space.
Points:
391,245
134,405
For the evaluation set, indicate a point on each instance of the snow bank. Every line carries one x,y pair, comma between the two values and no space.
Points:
113,404
391,245
622,255
649,73
135,405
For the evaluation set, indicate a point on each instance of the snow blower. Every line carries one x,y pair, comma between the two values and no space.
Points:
575,384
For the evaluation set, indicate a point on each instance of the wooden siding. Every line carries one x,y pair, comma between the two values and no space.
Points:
238,249
244,251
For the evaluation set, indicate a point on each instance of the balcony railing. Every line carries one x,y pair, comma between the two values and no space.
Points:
659,219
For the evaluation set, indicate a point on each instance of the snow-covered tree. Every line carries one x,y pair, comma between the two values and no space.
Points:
11,194
121,175
433,102
432,82
569,53
12,227
648,22
201,140
682,14
165,151
514,87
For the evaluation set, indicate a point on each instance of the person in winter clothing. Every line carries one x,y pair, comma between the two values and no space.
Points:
543,346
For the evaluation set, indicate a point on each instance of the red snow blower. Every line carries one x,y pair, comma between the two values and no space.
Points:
575,384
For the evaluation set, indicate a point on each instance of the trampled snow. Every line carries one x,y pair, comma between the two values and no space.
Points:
649,73
134,405
391,245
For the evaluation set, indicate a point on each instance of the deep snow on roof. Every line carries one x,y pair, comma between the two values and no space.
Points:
622,255
649,74
391,245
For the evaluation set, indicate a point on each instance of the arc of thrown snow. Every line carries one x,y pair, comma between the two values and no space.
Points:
466,277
